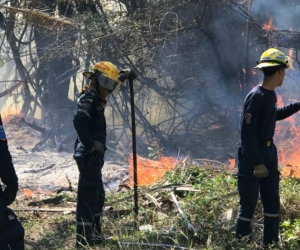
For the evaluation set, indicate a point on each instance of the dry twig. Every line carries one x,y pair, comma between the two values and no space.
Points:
40,18
190,226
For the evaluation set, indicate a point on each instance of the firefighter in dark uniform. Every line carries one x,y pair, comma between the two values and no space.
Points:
258,162
11,230
90,125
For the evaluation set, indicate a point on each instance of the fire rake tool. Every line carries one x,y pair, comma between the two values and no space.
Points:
135,185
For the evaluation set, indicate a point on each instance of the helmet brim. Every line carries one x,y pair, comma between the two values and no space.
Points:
88,74
267,65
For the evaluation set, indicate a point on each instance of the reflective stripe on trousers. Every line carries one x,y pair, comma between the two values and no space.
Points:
249,188
244,219
271,215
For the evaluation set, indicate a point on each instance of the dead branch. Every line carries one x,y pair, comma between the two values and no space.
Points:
73,210
174,187
213,161
122,154
43,131
177,187
55,210
190,226
280,38
70,184
154,200
35,148
33,126
155,245
38,17
8,91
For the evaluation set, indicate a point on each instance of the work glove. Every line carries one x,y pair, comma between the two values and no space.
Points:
10,193
129,73
260,171
98,147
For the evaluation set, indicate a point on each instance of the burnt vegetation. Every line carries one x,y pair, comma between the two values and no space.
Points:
193,58
194,206
194,61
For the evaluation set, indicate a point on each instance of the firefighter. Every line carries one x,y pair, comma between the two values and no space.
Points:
90,145
11,230
258,163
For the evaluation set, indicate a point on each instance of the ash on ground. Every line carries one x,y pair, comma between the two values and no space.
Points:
44,168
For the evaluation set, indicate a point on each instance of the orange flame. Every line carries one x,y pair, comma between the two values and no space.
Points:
150,171
41,191
280,100
27,192
269,25
9,111
291,171
231,163
288,144
30,193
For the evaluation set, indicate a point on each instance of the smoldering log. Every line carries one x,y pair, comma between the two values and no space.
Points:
280,38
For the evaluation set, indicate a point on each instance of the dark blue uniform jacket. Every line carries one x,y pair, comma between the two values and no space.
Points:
7,170
89,122
257,126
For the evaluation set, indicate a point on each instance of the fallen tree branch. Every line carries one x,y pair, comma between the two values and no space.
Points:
280,38
39,17
33,126
174,187
190,226
177,187
213,161
8,91
35,148
155,245
154,200
120,154
72,210
46,209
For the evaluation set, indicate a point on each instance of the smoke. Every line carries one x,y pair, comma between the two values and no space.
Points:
211,71
284,14
195,73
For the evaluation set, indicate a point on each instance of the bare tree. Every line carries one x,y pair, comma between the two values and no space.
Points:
193,59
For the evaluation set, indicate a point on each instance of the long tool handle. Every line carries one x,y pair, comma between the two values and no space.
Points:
136,205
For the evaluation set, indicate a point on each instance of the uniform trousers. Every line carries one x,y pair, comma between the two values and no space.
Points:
249,189
90,200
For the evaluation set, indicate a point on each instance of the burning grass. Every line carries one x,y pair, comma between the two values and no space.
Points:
150,171
206,195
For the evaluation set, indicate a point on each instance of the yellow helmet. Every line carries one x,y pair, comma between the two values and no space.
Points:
107,75
274,57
